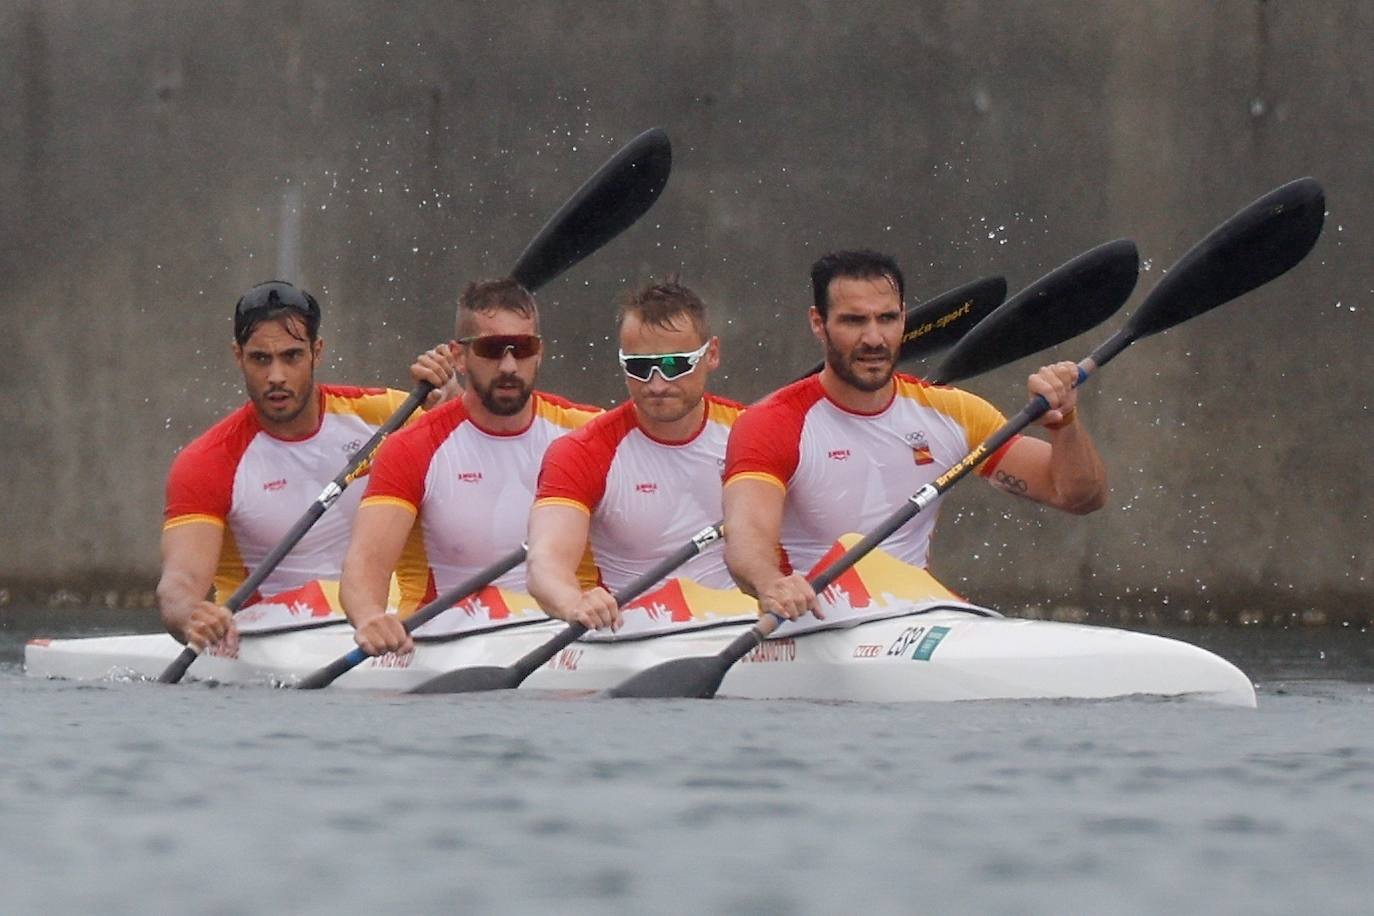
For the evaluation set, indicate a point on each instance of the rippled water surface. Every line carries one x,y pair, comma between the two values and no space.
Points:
124,798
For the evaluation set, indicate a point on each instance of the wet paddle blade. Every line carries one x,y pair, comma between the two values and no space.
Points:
1069,300
693,678
1261,242
609,202
470,680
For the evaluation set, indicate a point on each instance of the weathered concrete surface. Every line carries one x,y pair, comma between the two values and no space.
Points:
155,159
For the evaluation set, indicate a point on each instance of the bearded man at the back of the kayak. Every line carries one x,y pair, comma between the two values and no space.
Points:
625,491
838,452
236,491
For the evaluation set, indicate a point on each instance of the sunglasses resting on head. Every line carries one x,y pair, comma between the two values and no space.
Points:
642,366
494,346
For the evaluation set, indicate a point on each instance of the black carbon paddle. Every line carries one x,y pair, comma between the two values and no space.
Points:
1259,243
608,203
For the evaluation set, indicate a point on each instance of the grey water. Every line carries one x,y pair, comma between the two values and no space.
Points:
139,798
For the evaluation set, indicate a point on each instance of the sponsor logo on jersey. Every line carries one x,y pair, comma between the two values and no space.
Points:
646,487
273,486
350,448
470,477
838,454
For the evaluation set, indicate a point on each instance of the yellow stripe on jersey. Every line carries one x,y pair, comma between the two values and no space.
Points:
757,475
372,409
566,417
192,519
389,501
561,501
724,414
978,418
411,577
231,572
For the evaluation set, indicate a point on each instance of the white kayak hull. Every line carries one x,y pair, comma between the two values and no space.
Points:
932,655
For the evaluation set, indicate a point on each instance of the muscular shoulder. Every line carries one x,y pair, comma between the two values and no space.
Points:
598,435
722,410
562,412
200,480
372,405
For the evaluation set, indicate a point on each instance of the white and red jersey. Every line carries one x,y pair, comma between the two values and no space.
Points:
471,490
646,498
256,487
847,472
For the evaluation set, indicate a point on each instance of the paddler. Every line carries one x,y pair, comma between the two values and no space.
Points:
238,488
839,451
638,482
451,494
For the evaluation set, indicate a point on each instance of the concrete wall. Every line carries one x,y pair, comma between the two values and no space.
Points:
156,158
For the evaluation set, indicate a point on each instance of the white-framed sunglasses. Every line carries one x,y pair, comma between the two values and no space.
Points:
641,366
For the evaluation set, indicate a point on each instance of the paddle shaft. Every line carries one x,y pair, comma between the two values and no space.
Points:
475,583
531,661
328,496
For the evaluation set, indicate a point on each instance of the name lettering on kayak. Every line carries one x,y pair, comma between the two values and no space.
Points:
470,477
646,488
869,650
567,660
773,650
838,454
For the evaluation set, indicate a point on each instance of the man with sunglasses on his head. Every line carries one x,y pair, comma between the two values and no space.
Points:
639,481
236,491
450,495
838,452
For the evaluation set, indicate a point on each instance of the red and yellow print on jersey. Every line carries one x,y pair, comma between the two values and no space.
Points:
256,486
646,498
845,471
471,490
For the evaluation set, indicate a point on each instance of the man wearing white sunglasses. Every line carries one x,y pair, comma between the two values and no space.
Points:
621,493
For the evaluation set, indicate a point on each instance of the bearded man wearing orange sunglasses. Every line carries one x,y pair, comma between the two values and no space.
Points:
451,494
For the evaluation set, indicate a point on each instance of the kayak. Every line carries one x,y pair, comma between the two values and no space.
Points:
925,651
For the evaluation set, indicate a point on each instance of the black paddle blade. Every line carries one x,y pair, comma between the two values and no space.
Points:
1069,300
1259,243
610,202
693,678
939,323
470,680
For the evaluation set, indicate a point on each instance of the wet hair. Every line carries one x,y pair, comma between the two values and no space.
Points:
660,303
276,300
488,296
858,264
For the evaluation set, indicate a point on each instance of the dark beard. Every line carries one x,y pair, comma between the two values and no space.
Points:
507,406
845,370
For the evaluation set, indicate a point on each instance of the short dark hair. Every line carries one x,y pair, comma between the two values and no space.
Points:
659,302
858,264
500,295
274,301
